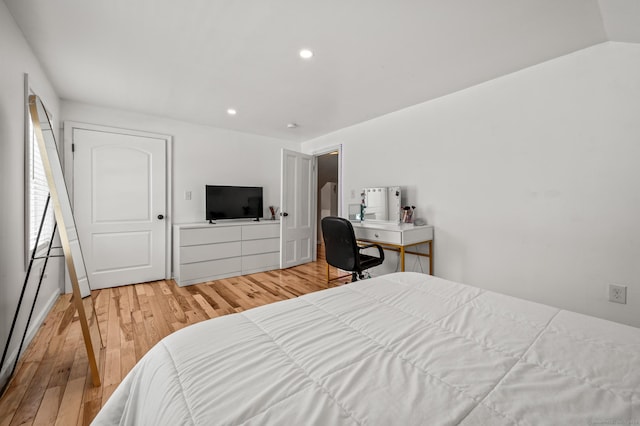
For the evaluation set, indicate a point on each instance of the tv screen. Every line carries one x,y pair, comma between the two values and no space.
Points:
233,202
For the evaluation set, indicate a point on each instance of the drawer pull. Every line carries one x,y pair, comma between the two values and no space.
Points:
376,235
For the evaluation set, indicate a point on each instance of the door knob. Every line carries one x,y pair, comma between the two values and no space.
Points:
160,216
285,214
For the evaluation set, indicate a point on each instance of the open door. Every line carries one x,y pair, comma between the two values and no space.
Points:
297,211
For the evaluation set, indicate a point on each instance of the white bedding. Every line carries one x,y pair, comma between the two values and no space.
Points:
401,349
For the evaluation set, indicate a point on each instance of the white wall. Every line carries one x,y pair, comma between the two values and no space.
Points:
17,59
532,180
201,155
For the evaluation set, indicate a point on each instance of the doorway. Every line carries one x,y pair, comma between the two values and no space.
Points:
328,202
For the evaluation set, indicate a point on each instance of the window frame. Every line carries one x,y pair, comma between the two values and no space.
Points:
32,165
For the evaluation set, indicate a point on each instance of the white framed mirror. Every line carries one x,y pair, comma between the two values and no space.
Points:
381,203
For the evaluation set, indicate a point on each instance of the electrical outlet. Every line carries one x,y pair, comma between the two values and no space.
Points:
187,195
617,293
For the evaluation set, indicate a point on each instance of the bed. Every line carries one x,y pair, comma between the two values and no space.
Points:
400,349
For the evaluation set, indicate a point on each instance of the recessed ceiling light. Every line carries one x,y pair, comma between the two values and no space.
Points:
306,54
232,111
292,125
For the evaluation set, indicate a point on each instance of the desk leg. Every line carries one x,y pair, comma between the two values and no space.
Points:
402,258
430,257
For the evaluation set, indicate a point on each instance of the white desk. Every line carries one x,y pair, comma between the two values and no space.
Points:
397,237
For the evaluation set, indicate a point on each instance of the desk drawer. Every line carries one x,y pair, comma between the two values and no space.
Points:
379,235
417,234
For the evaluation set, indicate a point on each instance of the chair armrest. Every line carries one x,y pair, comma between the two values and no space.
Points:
380,251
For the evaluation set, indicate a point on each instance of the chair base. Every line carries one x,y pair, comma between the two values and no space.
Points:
355,276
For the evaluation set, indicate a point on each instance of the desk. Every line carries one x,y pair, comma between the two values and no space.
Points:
396,237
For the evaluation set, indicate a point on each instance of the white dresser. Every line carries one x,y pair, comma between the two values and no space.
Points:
204,252
398,237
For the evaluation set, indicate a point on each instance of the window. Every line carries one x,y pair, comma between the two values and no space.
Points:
37,192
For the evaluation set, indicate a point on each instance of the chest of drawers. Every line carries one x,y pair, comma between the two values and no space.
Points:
204,252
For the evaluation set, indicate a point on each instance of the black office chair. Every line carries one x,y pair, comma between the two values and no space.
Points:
342,251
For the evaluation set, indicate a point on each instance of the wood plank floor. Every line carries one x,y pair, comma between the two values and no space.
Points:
52,384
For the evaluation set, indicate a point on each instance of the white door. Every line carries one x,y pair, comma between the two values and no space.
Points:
119,189
297,215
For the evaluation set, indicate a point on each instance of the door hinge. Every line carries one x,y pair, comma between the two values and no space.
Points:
73,147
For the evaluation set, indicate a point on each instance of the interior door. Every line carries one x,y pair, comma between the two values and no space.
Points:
297,215
119,188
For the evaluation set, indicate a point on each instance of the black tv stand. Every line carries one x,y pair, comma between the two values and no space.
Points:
211,222
257,219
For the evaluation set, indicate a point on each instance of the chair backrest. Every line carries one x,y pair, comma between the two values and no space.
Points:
341,249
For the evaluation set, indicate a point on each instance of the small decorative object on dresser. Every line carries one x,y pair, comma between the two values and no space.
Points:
273,210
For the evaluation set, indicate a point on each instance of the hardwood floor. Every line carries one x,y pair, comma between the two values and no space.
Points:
52,384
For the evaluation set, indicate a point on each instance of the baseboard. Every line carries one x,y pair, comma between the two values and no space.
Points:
36,322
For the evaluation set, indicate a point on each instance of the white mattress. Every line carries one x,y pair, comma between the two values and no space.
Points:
401,349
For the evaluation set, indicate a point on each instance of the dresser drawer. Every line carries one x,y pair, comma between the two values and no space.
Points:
197,270
255,232
195,236
260,262
200,253
378,235
268,245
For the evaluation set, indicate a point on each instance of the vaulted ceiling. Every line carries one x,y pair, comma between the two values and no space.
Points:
192,60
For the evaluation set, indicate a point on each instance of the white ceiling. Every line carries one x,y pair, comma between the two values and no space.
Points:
192,59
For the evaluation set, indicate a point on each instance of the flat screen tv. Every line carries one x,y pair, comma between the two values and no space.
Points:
233,202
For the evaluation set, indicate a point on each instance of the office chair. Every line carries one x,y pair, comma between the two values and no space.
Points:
342,251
